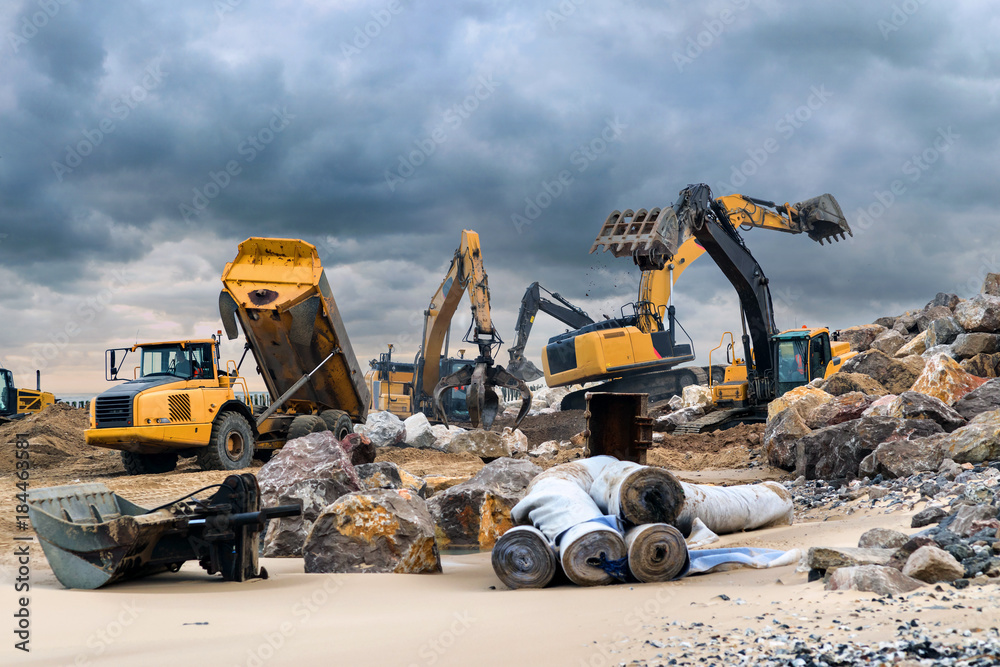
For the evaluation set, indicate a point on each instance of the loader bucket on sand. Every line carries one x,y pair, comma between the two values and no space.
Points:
822,219
481,398
93,537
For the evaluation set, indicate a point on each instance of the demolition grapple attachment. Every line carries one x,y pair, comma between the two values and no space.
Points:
479,381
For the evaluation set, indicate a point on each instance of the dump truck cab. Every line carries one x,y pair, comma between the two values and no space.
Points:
173,397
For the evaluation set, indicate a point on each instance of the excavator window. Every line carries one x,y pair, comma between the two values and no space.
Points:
791,361
7,392
817,358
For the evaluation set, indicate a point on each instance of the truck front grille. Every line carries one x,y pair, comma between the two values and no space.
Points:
113,411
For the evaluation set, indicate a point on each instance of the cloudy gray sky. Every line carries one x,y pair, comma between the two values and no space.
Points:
140,142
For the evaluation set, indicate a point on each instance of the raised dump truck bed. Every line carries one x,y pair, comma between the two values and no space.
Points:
278,291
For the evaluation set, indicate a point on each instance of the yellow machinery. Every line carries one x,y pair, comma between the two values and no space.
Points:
435,384
778,361
181,401
16,403
638,351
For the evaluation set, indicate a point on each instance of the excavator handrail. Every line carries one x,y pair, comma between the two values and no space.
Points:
732,345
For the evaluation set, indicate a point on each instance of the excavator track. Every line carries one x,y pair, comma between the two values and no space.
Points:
720,420
660,385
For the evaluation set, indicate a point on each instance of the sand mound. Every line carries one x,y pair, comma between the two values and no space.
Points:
54,434
737,447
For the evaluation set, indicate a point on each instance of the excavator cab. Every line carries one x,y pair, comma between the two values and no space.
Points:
8,393
804,355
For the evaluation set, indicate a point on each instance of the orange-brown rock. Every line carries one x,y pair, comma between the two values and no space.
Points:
803,400
944,379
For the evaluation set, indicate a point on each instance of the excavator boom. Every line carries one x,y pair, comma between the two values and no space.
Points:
532,302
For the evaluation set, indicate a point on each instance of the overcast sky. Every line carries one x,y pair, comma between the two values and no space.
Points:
140,142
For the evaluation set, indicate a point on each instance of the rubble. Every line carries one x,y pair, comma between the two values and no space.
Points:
359,448
443,435
312,471
844,407
372,532
475,513
384,429
514,441
943,331
969,345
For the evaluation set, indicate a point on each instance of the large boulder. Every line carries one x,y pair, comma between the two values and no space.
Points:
803,400
387,475
921,451
418,432
980,313
831,558
917,345
943,331
877,579
860,337
696,395
837,452
915,405
487,445
780,437
928,316
359,448
384,429
970,344
843,408
944,299
889,342
983,365
373,531
444,435
984,399
968,518
991,286
931,564
475,513
311,471
880,408
944,379
977,442
882,538
514,441
892,374
843,383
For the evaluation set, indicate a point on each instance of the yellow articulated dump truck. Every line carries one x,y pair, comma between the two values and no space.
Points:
181,401
17,403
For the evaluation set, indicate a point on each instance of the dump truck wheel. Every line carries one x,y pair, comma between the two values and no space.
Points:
148,464
231,445
339,422
304,425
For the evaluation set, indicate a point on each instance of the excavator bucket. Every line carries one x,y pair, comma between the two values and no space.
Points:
523,369
481,398
822,219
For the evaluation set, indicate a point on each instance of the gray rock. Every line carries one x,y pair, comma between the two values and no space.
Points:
859,337
373,531
991,285
312,471
385,429
843,408
387,475
944,299
927,516
419,432
872,579
977,442
969,345
896,376
943,331
780,437
830,558
887,322
982,399
980,313
927,317
882,538
475,513
838,452
487,445
889,343
907,456
915,405
968,515
931,564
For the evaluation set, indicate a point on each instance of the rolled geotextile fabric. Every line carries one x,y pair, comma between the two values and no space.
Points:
656,552
731,509
524,558
638,494
559,498
589,552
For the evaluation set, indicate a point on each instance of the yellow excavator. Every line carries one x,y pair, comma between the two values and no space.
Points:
777,361
17,403
435,384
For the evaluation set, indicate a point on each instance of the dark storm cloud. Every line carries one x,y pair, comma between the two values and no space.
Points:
389,126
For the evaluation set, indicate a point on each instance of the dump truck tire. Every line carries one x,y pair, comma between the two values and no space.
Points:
339,422
230,446
148,464
304,425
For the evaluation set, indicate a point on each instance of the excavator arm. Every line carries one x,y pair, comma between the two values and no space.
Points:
466,274
531,303
653,238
